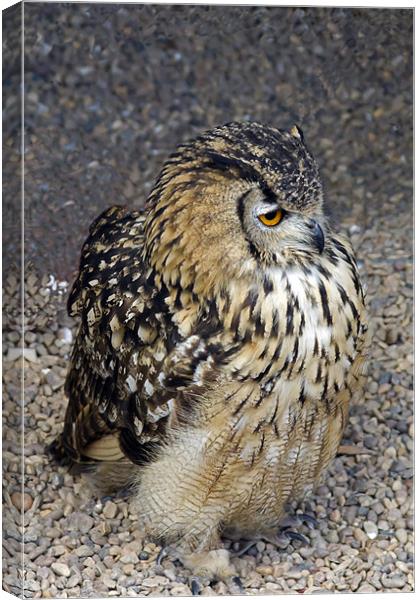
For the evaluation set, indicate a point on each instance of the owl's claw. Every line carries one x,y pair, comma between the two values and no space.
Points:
163,553
197,583
297,520
308,520
236,586
245,549
281,540
295,535
290,522
285,534
167,552
195,586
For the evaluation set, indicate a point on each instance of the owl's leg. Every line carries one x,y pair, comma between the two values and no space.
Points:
184,507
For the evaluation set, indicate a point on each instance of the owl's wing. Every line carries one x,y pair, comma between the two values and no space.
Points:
130,365
109,296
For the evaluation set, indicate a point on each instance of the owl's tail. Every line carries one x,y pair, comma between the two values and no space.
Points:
111,477
104,477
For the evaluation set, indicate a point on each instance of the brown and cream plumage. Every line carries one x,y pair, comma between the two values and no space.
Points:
222,337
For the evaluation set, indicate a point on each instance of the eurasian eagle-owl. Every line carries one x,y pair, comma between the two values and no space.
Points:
222,336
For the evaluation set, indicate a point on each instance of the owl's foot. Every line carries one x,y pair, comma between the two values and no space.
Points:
233,584
286,533
210,566
282,538
213,565
197,584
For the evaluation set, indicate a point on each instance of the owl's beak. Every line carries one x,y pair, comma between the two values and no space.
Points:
317,235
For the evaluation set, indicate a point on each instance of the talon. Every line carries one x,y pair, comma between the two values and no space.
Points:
162,554
282,541
195,587
124,492
309,521
294,535
238,583
244,550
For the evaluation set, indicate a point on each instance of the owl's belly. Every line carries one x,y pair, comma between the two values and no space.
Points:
226,470
273,468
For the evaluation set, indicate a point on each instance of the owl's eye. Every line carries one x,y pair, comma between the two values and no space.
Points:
271,218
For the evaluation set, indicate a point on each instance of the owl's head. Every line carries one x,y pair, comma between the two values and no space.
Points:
238,199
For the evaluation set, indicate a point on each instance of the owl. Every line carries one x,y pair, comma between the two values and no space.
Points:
222,335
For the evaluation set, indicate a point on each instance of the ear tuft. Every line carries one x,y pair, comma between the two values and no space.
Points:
297,132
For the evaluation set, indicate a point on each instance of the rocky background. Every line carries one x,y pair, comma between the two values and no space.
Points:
109,92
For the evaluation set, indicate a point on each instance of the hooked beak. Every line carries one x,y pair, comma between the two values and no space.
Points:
317,235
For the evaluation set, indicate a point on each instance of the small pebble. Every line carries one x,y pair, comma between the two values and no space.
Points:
366,588
83,551
110,510
264,570
110,583
60,569
371,529
80,521
393,582
402,535
20,500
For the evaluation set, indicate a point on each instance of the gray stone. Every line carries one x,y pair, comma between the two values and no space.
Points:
80,521
83,551
110,510
60,569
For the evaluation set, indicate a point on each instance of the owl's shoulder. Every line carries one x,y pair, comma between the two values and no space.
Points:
111,268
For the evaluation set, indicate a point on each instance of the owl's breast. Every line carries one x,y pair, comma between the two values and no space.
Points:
304,333
324,331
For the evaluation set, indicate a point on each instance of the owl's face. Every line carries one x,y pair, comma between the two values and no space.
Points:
274,232
237,200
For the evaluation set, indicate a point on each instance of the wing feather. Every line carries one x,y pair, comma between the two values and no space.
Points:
110,359
132,371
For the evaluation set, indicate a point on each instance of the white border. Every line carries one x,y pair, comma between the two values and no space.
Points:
327,3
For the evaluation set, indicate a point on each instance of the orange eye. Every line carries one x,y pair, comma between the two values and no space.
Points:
271,218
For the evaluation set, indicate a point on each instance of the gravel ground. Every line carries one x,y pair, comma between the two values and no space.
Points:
110,90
